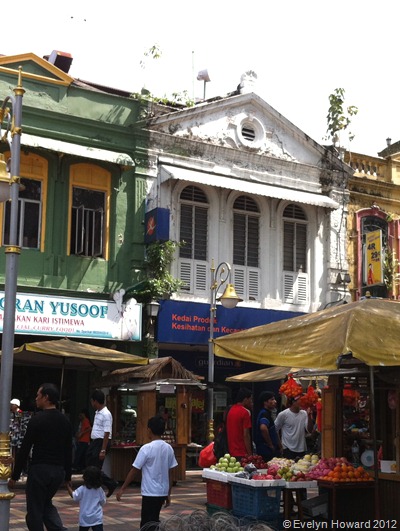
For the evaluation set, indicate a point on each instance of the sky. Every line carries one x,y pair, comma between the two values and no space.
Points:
301,52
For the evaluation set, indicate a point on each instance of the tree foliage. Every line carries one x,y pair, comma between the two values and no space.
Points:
339,116
159,283
177,98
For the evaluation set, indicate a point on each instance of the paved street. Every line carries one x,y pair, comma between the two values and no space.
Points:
187,496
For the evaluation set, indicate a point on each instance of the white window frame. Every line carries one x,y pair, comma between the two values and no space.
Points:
246,278
193,272
296,284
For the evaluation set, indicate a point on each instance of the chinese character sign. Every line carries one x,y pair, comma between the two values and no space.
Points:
373,270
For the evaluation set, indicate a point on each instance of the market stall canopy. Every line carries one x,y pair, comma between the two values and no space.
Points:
279,373
267,374
73,355
368,329
160,371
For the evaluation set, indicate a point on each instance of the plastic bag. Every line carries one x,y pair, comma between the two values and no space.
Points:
291,388
310,398
207,457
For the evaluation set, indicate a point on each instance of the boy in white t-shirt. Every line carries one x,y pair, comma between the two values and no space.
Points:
91,498
156,460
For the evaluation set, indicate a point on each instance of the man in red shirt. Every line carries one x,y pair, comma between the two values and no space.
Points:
238,425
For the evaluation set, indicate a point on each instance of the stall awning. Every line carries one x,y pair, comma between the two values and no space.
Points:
263,375
74,149
368,329
158,385
241,185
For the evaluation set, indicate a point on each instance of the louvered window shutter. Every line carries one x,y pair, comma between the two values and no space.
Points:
246,243
193,264
295,278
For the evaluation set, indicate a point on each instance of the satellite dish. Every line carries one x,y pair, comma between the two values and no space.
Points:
203,76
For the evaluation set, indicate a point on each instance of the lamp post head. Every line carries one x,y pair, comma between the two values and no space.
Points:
229,299
152,308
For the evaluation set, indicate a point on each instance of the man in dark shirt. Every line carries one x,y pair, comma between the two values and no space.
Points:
50,434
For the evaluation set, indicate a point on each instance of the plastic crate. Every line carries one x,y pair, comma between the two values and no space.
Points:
262,503
213,509
219,493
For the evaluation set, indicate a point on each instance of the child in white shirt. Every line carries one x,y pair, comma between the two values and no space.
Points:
91,498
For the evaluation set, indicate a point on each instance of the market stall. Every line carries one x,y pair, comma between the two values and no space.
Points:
162,387
365,332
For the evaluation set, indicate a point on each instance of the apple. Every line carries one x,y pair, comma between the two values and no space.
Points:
227,456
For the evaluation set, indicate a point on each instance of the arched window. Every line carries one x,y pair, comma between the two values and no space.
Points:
193,233
374,234
295,277
246,247
294,239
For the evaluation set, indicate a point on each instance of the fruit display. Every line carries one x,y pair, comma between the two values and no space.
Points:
344,472
227,463
306,464
256,460
259,476
337,469
324,466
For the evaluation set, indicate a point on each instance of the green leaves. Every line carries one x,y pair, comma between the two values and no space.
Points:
339,117
159,283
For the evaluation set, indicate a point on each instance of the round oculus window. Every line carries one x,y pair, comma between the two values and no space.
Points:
250,132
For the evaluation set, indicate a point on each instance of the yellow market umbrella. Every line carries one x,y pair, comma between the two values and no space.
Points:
368,329
65,353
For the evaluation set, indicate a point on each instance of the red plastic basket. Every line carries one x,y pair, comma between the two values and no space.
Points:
219,494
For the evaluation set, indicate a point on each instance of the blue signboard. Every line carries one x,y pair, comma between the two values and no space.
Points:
189,322
156,225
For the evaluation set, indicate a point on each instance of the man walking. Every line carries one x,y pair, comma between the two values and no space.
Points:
49,432
101,438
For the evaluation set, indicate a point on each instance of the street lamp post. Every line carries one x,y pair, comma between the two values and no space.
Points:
11,114
220,275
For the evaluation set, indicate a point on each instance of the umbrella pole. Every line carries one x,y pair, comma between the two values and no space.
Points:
373,433
62,382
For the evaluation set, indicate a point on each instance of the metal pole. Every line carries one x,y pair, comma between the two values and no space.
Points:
219,276
210,386
10,294
373,435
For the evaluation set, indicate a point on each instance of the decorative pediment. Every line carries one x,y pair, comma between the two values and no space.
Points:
35,68
243,122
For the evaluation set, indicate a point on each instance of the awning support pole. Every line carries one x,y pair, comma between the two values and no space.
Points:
374,443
